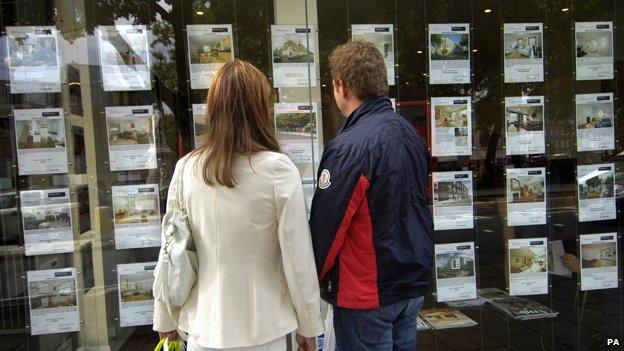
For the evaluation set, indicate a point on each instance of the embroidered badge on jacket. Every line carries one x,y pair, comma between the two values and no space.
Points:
324,182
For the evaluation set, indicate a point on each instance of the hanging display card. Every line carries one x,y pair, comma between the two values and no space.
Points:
528,266
524,125
524,55
526,196
293,51
594,50
53,301
455,272
199,124
136,300
124,57
596,192
296,128
599,261
595,122
452,200
131,143
209,48
136,211
41,141
449,53
47,223
34,63
382,36
451,128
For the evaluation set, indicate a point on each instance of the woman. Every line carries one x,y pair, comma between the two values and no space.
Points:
257,280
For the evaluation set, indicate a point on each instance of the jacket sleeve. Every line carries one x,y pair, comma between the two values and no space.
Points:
296,247
163,319
341,188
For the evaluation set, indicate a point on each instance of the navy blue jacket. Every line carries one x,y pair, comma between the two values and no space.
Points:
371,223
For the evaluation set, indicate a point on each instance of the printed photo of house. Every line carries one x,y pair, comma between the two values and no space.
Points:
594,44
452,193
32,51
291,49
523,45
528,260
596,185
594,115
40,133
523,189
130,130
454,265
449,46
52,293
210,48
598,255
136,286
524,118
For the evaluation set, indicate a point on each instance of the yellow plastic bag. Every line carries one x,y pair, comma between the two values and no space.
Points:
166,345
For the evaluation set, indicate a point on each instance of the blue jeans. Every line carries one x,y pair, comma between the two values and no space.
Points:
390,327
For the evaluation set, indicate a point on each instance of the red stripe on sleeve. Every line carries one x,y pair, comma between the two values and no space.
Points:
358,194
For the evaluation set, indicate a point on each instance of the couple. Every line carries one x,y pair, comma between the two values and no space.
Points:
368,242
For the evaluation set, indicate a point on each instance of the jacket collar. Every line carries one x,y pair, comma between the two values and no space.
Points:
366,109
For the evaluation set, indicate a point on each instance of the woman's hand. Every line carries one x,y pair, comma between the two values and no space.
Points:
305,344
172,335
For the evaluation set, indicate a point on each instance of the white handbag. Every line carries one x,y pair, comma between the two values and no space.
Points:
176,271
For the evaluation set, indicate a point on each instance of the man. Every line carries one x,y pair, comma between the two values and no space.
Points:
370,220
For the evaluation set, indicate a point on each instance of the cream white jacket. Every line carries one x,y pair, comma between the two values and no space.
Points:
257,277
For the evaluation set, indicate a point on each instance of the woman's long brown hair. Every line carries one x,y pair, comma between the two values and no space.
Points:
237,121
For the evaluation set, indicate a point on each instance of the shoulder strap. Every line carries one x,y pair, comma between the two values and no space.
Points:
180,185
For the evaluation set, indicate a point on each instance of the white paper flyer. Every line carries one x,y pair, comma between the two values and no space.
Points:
451,131
596,189
41,141
382,35
131,143
524,60
293,50
46,217
528,266
53,301
599,261
555,264
209,48
452,200
449,53
136,211
296,128
199,124
124,57
594,50
136,300
34,63
526,196
524,125
455,272
595,122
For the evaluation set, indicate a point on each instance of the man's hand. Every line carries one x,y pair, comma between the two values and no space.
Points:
172,335
305,344
571,262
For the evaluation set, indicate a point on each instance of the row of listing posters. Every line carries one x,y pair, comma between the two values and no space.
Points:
527,264
34,58
41,135
53,298
526,196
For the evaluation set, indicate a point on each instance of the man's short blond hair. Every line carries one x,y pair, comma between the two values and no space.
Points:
361,67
